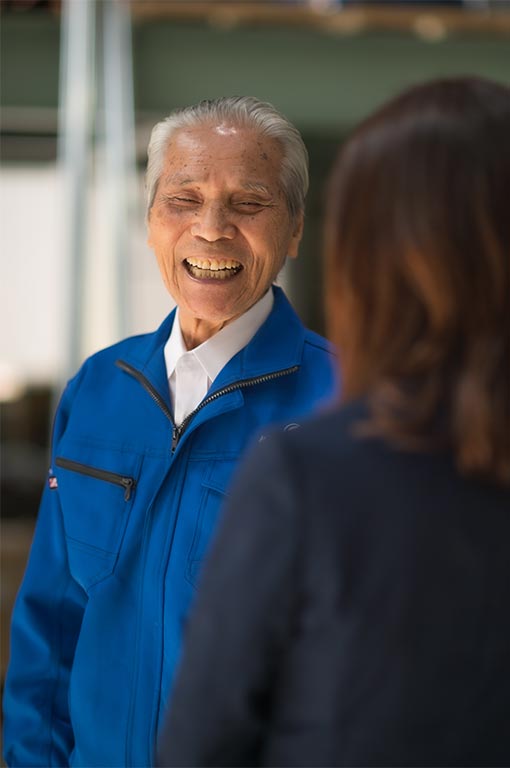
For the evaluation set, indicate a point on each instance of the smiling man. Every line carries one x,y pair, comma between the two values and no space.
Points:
147,436
220,224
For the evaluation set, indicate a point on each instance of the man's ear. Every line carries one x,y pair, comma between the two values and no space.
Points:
297,234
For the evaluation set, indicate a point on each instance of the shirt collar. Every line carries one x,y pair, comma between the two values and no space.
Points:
174,347
215,353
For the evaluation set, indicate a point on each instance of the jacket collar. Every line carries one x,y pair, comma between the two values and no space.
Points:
277,345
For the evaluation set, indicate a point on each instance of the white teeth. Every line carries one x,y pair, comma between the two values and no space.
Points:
218,269
212,264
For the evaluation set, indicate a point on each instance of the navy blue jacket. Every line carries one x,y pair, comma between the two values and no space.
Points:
377,629
125,521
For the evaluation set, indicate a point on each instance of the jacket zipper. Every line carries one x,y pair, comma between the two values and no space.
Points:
128,483
177,431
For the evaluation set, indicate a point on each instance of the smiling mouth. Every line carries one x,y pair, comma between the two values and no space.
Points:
216,269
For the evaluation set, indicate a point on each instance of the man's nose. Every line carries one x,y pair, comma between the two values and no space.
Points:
212,223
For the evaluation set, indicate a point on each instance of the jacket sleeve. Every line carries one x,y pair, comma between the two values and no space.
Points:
240,625
44,630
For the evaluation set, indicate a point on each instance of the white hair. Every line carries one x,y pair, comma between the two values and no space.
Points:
246,111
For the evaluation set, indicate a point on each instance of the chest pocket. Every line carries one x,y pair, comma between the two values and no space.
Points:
214,492
96,498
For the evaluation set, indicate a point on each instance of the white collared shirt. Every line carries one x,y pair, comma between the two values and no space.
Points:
191,372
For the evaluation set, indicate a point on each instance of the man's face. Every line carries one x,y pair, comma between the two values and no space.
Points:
219,225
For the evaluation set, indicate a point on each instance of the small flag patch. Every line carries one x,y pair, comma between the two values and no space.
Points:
52,482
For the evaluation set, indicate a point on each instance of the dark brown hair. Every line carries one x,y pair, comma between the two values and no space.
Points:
418,270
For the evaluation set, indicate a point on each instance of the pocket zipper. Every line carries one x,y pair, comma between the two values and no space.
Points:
128,483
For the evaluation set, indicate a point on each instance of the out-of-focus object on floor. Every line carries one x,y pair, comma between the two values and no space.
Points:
25,415
14,548
25,423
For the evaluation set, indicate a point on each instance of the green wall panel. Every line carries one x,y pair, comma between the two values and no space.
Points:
320,80
29,60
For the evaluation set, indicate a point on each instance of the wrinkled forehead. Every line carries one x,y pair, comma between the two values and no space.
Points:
224,147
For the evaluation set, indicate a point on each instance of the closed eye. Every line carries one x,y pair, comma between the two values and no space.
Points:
181,200
251,205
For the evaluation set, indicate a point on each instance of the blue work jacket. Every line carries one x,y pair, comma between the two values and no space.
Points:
124,524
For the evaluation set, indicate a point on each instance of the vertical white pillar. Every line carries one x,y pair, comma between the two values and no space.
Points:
120,168
75,125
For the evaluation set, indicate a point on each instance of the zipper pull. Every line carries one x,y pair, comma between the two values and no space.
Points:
175,437
129,485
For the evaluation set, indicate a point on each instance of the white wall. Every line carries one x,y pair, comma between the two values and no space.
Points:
34,278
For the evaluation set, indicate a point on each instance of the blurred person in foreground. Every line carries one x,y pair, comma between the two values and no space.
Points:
147,435
377,629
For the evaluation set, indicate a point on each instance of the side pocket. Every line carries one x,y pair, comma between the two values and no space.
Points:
97,494
213,495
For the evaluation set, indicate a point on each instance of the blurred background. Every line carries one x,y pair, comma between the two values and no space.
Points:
82,84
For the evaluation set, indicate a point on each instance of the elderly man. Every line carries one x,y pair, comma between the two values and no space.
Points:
147,436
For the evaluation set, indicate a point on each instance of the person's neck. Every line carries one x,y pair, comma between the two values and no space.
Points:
195,331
